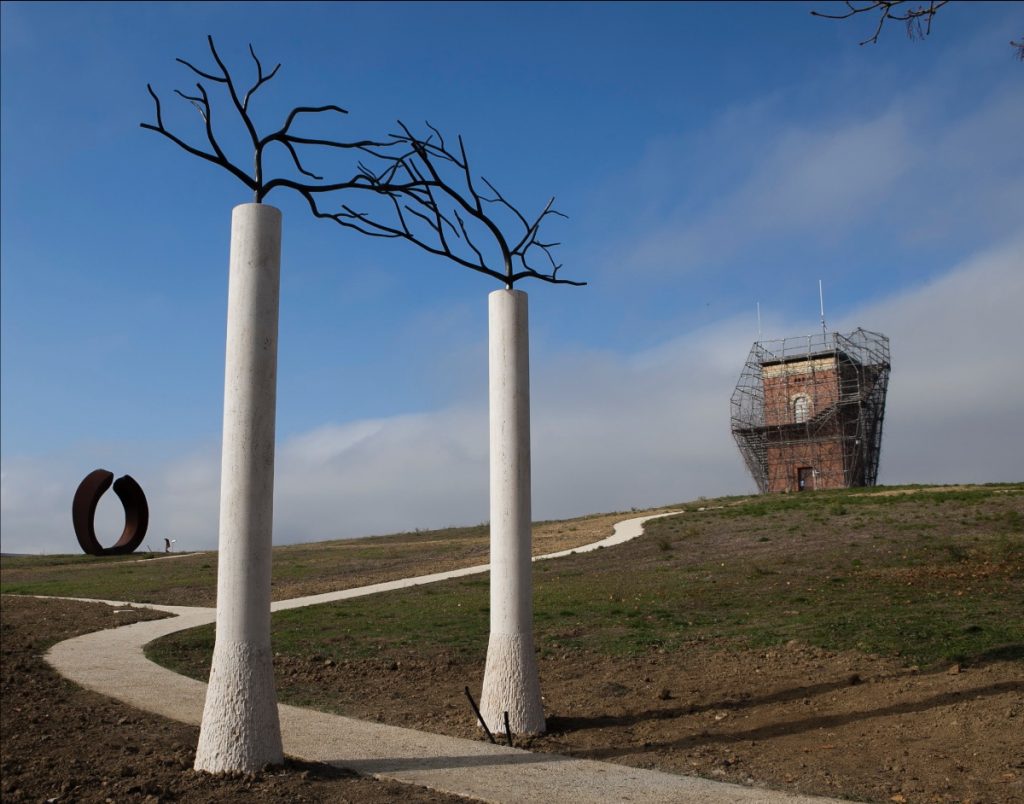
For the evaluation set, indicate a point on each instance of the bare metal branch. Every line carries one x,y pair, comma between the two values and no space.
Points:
308,110
208,76
255,179
260,78
195,101
427,190
444,213
214,158
918,19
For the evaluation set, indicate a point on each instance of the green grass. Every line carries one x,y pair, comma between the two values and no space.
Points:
919,577
192,579
137,577
929,576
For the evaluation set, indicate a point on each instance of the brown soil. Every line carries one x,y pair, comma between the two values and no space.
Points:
795,717
798,718
63,743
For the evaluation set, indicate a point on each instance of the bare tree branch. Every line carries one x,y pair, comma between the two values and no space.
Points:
426,190
260,78
214,158
443,212
918,19
256,181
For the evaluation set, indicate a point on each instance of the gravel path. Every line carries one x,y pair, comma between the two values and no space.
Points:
112,662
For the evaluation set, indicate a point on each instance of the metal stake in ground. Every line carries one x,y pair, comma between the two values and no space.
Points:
479,717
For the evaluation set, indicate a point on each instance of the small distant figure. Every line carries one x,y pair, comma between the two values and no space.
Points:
167,544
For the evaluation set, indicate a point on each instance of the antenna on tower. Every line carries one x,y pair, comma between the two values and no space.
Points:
821,300
759,339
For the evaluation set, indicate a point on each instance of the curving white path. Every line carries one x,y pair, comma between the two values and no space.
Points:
112,663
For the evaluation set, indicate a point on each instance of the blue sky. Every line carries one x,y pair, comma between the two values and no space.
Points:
710,157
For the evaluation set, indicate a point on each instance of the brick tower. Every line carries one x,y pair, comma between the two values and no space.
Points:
807,412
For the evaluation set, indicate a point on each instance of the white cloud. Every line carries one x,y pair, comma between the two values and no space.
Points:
911,167
401,473
812,177
822,179
956,391
35,506
609,431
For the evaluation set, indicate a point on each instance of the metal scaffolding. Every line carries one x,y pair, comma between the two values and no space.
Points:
807,411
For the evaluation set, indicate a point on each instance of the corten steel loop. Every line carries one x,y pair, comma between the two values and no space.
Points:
83,512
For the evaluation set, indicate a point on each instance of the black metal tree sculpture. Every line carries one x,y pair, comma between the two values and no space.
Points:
425,194
435,204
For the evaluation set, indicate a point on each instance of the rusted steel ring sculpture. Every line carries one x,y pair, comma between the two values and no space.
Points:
83,512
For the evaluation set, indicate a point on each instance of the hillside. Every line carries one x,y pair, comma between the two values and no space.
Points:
866,643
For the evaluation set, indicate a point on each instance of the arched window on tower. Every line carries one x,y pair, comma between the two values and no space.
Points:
801,408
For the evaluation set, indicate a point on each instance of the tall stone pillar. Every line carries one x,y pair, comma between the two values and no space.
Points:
511,681
240,729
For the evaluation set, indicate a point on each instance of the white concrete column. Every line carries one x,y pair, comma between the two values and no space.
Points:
240,729
511,682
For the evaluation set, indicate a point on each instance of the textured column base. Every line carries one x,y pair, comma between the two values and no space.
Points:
512,684
240,731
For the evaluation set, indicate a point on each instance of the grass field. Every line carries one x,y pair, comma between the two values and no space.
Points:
190,579
928,575
732,640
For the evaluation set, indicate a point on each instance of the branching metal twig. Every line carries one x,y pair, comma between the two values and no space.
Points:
437,207
918,19
431,199
240,101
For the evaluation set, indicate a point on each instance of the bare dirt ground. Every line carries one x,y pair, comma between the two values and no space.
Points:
61,743
797,718
793,716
